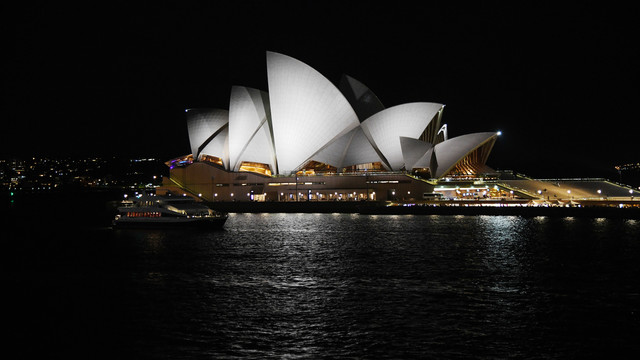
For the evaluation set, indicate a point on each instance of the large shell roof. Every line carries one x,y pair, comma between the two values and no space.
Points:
307,110
444,156
203,125
385,128
250,136
305,117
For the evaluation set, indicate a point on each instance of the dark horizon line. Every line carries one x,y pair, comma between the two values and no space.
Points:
609,173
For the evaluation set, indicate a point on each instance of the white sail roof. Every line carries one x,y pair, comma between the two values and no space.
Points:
305,117
307,110
360,150
385,128
412,150
333,153
448,153
350,149
202,125
219,146
250,137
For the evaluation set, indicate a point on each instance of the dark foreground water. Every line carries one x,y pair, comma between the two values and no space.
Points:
326,286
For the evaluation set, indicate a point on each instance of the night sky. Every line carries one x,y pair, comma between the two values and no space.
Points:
562,84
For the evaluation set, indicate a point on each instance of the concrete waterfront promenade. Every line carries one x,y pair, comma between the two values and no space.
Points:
431,208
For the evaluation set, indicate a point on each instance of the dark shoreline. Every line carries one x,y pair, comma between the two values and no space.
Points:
86,204
525,211
379,209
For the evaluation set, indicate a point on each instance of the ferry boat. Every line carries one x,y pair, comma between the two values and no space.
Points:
166,211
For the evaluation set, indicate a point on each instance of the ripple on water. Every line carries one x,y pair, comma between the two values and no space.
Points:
335,285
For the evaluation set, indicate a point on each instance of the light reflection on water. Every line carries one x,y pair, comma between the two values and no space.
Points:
389,286
378,286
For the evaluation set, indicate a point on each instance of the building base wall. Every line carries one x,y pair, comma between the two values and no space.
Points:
212,183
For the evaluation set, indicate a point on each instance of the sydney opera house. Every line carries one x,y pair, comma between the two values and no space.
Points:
307,139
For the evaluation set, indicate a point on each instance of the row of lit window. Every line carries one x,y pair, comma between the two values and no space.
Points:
274,184
300,183
388,181
144,214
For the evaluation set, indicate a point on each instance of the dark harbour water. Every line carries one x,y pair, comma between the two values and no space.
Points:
273,286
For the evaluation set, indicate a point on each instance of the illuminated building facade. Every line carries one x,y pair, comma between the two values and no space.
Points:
307,139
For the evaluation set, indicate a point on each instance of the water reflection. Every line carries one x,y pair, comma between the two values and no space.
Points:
342,285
